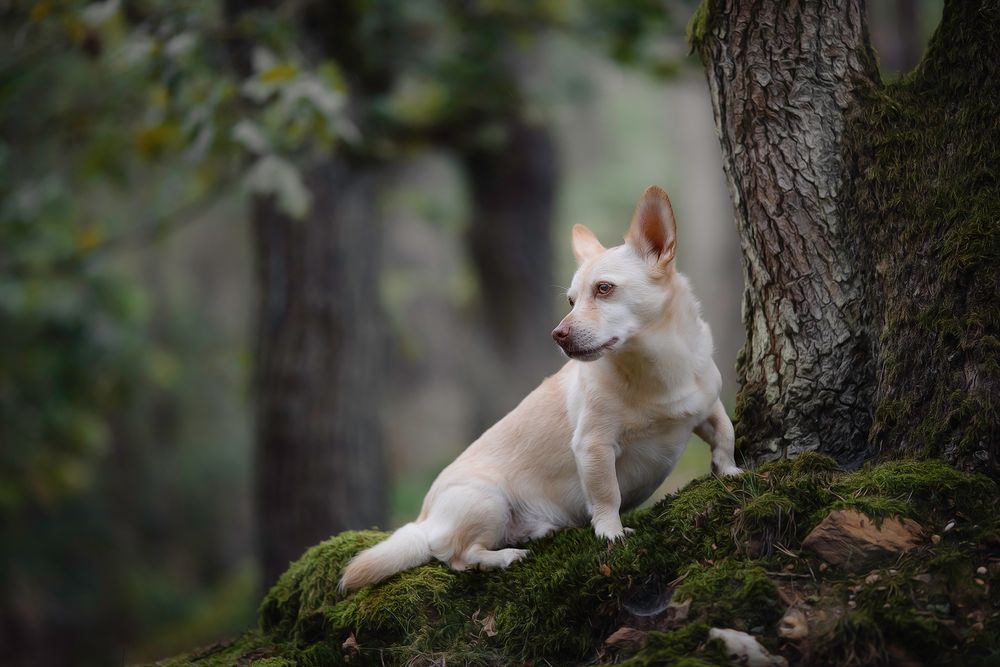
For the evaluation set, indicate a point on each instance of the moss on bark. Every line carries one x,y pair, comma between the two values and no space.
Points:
925,153
732,547
915,221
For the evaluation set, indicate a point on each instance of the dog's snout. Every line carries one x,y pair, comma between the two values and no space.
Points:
561,334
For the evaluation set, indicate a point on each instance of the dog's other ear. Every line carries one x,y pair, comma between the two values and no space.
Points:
585,244
653,233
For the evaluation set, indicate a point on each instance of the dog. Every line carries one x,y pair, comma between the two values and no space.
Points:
596,438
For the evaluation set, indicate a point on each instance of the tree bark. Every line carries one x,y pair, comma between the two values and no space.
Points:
782,78
512,193
868,223
925,206
319,463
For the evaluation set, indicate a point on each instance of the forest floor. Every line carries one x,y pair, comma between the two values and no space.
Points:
794,563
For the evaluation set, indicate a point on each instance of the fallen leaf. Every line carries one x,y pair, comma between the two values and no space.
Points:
351,647
625,637
849,538
490,624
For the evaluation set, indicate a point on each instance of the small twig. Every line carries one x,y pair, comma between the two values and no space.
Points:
678,580
783,549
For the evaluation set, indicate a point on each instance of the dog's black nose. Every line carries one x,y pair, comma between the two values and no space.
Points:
560,334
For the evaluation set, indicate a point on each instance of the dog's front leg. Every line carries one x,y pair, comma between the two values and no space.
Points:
595,453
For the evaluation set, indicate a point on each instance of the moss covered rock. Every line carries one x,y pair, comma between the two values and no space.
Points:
731,547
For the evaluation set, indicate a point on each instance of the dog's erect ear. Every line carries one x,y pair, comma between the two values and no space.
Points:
585,244
653,233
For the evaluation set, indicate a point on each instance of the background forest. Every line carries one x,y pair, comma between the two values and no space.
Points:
394,182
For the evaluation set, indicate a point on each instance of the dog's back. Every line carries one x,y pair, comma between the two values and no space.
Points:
599,435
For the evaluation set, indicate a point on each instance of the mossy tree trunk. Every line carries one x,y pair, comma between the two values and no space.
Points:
868,220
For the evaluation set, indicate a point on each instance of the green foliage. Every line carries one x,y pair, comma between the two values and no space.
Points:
71,347
53,406
558,605
450,79
98,375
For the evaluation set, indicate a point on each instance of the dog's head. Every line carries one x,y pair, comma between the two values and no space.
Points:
616,292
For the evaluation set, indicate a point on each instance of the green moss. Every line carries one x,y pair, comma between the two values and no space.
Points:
913,489
924,153
252,645
731,594
292,604
857,641
697,26
687,646
752,416
728,545
274,662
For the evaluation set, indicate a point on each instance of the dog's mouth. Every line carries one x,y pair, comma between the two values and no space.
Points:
592,353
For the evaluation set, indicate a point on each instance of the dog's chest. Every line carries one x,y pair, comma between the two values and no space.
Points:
646,456
664,418
652,437
654,442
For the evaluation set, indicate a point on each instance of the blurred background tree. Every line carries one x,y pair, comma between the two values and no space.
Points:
409,171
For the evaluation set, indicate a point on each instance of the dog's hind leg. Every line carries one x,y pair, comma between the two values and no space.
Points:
466,525
478,556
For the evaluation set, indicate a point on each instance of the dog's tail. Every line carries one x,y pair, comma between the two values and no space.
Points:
405,548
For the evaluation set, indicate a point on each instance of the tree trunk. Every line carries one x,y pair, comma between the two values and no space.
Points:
925,210
868,225
897,34
319,465
907,52
512,192
806,368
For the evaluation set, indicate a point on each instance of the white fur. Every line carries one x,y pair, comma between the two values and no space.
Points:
596,438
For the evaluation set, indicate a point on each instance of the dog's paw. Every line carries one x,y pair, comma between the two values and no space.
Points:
511,556
626,531
612,531
726,469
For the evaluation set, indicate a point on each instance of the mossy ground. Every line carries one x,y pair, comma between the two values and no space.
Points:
730,546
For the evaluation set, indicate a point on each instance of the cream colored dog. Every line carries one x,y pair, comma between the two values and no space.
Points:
597,437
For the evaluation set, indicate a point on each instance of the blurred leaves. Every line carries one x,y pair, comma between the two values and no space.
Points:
273,175
121,120
91,91
95,106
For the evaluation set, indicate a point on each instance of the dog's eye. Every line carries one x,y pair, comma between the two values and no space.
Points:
571,301
604,289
